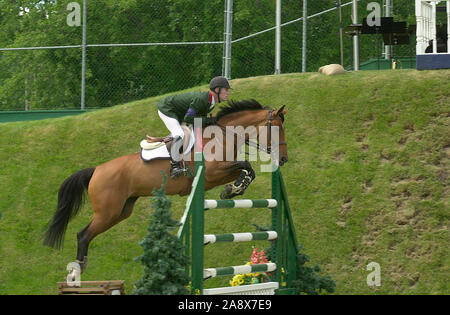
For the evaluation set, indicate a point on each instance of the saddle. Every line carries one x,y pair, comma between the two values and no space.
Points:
155,142
158,147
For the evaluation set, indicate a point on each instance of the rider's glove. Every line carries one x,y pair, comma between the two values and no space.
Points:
210,121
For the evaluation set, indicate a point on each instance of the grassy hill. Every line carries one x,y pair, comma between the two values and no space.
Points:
367,179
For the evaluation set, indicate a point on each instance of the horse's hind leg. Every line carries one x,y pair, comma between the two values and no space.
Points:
83,245
99,224
104,219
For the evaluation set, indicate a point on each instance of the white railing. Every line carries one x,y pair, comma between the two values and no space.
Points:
266,288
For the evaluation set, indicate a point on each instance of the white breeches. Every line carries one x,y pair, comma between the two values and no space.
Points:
173,125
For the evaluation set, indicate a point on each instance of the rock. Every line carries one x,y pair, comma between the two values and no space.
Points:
332,69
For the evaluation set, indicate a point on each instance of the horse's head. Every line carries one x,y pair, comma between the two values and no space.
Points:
249,113
276,139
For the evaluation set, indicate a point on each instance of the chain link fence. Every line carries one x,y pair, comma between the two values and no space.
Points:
323,43
142,48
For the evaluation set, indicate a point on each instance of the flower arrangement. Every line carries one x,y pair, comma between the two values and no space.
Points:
257,257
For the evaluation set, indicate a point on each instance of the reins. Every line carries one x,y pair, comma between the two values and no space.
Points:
254,144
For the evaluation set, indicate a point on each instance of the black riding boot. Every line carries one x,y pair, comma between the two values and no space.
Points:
176,169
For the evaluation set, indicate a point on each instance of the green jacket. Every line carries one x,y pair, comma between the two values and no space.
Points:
187,106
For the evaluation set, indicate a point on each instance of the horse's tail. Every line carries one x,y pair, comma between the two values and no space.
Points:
70,200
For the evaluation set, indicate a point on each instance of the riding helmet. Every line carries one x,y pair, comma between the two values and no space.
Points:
219,82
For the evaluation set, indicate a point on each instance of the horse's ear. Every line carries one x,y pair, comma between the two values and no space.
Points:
279,111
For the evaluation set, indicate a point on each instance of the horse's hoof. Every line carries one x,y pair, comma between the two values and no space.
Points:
226,193
231,191
83,264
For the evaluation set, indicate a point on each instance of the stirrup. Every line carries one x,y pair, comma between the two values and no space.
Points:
176,169
175,173
179,168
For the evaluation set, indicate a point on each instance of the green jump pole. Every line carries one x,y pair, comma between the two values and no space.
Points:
198,224
277,224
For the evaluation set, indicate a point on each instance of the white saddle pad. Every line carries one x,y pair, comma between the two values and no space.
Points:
161,152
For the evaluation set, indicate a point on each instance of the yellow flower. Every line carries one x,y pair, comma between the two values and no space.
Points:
237,280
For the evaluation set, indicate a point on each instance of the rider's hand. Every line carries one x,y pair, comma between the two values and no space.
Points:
210,121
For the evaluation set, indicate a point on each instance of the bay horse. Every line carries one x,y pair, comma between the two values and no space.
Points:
114,187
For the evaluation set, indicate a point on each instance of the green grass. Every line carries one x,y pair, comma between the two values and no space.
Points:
367,180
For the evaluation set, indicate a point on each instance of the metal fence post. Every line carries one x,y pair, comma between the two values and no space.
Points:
341,32
304,36
388,9
278,38
226,68
83,58
355,37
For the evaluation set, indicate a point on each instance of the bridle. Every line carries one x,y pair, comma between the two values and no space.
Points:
254,144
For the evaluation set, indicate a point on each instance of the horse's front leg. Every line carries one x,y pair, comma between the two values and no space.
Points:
245,178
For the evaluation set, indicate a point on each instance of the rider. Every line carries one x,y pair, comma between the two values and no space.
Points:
175,109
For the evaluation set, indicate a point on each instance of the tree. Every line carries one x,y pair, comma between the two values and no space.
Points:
163,258
309,280
49,79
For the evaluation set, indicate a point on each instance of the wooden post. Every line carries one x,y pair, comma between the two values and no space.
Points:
277,225
198,224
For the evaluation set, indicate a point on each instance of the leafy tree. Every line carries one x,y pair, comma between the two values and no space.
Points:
48,79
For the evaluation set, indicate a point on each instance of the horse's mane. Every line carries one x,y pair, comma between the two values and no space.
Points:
238,106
